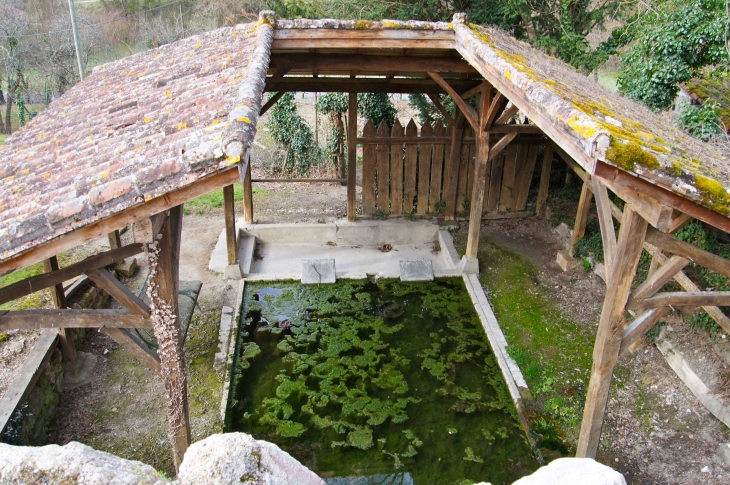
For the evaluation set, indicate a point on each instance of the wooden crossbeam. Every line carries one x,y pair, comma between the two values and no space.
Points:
497,106
34,319
135,346
271,102
508,114
471,93
581,216
671,244
278,76
501,145
642,324
46,280
437,102
675,299
301,39
365,85
470,113
104,280
608,232
656,280
385,64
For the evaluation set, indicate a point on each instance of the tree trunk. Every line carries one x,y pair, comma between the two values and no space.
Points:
340,146
8,107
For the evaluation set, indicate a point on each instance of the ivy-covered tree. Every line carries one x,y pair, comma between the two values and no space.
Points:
292,132
427,111
671,41
377,107
334,105
700,121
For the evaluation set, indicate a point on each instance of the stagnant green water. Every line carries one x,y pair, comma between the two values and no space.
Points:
376,383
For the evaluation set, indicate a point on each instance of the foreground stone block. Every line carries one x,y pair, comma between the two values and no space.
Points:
573,471
421,270
127,268
71,463
238,458
566,261
723,451
316,271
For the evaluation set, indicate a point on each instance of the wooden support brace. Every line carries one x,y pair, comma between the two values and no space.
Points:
507,115
610,330
278,75
640,326
501,145
437,102
104,280
69,318
656,281
581,216
66,337
608,232
671,244
244,171
471,93
542,192
495,108
693,299
271,102
351,156
135,346
230,216
469,112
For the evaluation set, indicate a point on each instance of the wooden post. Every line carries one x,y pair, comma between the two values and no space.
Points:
65,336
164,267
610,329
351,156
230,215
480,177
451,170
247,189
608,233
581,217
542,193
115,240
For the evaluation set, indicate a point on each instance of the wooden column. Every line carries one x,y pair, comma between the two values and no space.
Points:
164,257
351,156
480,175
66,336
608,232
581,217
230,215
610,329
247,188
542,193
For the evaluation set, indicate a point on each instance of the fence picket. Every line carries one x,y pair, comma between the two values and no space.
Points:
368,172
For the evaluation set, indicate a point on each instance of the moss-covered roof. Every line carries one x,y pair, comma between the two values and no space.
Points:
712,86
604,125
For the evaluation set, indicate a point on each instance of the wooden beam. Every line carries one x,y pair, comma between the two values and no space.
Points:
245,177
508,114
472,92
69,318
581,216
278,76
656,281
385,64
642,324
271,102
542,192
57,295
608,232
304,181
469,112
46,280
610,329
501,145
126,217
671,244
497,106
229,212
163,283
680,298
437,102
351,156
404,35
104,280
578,169
365,85
135,346
679,222
373,43
66,337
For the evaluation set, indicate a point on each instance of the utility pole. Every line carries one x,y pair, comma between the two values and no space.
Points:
76,38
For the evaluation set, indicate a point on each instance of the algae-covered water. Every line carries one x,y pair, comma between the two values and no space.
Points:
376,383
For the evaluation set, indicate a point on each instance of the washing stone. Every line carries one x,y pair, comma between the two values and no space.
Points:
420,270
316,271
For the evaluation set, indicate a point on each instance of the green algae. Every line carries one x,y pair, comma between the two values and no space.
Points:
350,389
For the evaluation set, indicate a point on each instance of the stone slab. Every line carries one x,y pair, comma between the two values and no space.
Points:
723,451
317,271
233,272
78,373
419,270
565,261
469,265
573,471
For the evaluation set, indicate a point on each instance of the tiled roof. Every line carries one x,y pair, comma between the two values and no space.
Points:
597,121
714,88
132,131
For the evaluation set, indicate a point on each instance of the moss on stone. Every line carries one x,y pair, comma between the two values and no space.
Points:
713,194
628,155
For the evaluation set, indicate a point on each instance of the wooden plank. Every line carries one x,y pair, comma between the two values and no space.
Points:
396,171
642,324
278,76
411,167
92,231
464,107
610,329
359,43
608,232
508,176
26,376
463,178
368,85
495,180
57,295
352,157
271,102
66,336
374,140
581,216
451,170
382,152
303,181
437,169
376,63
70,318
437,102
115,240
657,280
368,172
670,244
383,34
542,193
506,116
424,171
46,280
693,299
135,346
104,280
524,179
229,212
245,176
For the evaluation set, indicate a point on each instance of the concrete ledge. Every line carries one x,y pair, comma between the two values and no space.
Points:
230,348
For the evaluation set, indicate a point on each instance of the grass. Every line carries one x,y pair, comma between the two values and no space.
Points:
214,200
15,120
3,138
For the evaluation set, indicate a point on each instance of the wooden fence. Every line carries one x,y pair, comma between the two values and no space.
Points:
405,172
